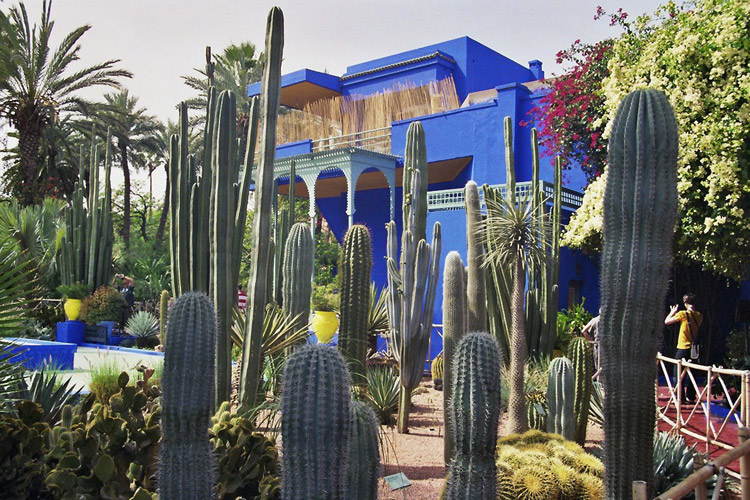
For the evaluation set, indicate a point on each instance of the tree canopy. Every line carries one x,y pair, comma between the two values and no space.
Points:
699,55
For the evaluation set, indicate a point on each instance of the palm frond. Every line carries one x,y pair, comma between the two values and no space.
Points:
17,281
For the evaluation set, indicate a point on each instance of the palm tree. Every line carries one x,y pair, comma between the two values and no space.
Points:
37,83
512,235
135,134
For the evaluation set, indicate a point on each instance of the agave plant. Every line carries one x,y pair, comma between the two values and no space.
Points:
46,388
142,325
377,321
596,407
673,462
384,387
279,330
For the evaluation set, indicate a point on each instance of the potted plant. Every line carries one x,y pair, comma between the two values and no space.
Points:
325,303
143,326
72,295
105,307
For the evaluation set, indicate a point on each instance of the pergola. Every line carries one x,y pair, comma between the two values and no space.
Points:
351,161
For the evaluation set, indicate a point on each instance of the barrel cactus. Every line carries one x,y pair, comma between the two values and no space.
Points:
560,398
187,461
316,423
356,264
364,458
475,412
639,212
437,370
582,358
297,271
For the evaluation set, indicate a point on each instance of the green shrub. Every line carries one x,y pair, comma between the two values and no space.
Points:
325,298
23,441
74,291
106,304
570,322
103,380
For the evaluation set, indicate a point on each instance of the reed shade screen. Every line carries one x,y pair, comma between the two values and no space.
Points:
342,115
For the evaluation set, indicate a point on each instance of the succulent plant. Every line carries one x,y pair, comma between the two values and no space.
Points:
142,324
454,329
163,315
315,406
639,212
364,458
437,370
560,398
297,272
582,358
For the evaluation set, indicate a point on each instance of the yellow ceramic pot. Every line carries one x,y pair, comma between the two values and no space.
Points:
72,309
325,324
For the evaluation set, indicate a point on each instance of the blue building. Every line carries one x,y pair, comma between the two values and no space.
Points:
353,170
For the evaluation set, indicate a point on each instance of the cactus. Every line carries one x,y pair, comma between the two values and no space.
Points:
282,220
640,212
475,413
542,277
186,467
163,316
437,370
535,482
412,284
260,259
364,458
315,425
86,248
354,272
537,410
475,280
454,329
297,273
560,393
582,357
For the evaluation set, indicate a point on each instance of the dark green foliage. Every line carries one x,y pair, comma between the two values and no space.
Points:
570,323
560,399
46,389
582,357
73,291
22,446
640,212
364,458
475,412
315,425
247,461
354,273
105,304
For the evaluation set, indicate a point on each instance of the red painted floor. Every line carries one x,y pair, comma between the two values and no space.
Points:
697,424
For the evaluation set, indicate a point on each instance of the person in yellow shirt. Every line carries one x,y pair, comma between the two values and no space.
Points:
690,321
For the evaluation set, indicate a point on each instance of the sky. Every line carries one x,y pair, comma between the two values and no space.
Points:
160,40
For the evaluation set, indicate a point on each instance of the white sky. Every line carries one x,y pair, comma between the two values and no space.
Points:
160,40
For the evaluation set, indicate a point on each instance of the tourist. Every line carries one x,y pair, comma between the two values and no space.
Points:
593,324
687,342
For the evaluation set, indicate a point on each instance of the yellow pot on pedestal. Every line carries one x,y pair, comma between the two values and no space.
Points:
72,309
325,324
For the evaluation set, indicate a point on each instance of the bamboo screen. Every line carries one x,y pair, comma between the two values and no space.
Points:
343,115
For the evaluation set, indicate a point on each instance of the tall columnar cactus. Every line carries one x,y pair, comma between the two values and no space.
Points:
582,357
356,264
454,329
187,463
475,412
640,212
475,280
86,248
163,313
560,398
261,257
542,292
297,272
283,219
316,423
364,458
412,278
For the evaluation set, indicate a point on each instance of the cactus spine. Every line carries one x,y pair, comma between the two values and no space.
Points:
454,329
582,357
163,313
640,212
475,281
356,264
297,271
187,463
316,422
86,248
475,412
560,392
364,458
257,294
412,278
